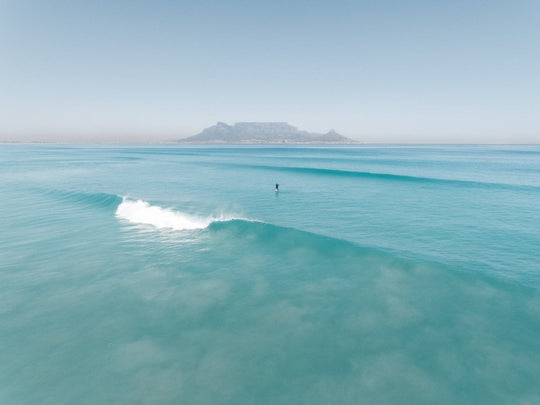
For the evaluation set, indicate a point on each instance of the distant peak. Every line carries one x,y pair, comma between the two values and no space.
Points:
262,132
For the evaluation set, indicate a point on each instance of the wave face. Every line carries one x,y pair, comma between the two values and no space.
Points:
100,200
142,213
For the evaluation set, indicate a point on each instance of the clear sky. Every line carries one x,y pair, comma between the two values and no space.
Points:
378,71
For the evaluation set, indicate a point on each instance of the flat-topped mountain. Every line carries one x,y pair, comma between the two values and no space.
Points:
262,132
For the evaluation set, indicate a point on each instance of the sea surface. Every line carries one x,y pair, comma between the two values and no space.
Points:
177,275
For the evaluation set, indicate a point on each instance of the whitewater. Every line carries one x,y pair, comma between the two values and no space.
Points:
175,274
141,212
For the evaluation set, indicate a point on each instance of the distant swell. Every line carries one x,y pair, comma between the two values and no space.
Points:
389,176
141,212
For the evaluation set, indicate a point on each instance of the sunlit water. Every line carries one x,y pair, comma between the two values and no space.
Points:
176,275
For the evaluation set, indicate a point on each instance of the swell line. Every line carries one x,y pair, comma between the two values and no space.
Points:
388,176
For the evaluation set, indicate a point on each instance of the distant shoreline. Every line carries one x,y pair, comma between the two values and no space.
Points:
225,144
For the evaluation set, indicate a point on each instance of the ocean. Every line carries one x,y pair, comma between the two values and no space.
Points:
166,274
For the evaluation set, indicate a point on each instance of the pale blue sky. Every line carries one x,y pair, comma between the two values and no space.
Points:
379,71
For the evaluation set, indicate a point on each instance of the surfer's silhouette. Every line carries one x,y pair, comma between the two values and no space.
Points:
277,187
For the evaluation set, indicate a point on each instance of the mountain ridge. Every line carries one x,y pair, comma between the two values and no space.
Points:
263,132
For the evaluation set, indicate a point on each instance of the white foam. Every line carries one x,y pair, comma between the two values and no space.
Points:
141,212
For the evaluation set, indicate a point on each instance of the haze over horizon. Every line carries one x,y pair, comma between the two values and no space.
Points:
388,71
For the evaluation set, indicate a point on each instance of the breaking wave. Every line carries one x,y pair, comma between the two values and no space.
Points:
143,213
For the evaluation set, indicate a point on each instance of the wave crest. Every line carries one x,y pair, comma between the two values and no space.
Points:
141,212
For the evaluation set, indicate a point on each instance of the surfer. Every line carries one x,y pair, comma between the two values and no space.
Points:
277,187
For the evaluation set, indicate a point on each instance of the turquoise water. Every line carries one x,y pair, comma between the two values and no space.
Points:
176,275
